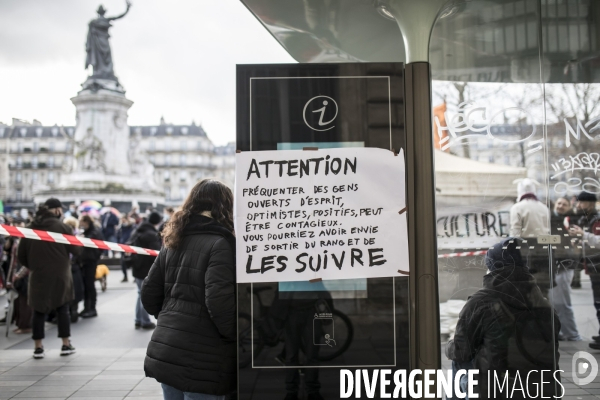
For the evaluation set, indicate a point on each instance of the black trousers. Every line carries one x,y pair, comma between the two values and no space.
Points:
89,286
63,318
299,336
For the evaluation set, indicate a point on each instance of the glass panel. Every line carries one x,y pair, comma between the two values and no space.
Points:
492,201
507,131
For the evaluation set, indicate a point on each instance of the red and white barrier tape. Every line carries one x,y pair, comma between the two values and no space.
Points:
463,254
72,240
35,234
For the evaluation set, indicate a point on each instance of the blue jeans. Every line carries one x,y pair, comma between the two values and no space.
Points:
560,295
141,316
464,381
170,393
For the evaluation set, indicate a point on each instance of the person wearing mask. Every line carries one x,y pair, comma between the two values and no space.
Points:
565,259
529,219
190,289
89,261
587,230
507,326
123,235
50,280
146,236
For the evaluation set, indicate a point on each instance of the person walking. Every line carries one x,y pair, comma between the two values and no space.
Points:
588,231
507,326
146,236
566,260
190,289
123,234
89,261
529,219
50,280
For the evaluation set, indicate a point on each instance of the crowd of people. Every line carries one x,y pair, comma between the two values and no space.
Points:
512,326
189,287
50,280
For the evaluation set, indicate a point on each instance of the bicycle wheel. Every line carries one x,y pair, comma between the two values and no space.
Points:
247,341
343,335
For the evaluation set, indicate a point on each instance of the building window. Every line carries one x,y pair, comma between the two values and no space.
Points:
183,145
35,147
34,162
19,161
168,193
199,145
51,147
34,177
182,160
184,130
51,161
183,175
167,160
152,145
54,131
18,177
19,195
182,192
50,177
167,145
153,130
167,176
151,159
20,147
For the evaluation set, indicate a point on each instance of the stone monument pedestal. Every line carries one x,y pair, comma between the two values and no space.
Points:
106,162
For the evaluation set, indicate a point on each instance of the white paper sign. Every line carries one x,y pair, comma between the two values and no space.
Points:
329,214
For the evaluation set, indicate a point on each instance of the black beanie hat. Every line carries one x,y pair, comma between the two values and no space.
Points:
154,218
504,254
587,196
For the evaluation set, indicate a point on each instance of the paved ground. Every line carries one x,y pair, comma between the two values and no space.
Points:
108,363
110,352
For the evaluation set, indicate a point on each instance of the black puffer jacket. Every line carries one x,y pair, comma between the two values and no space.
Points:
89,255
191,291
507,326
145,236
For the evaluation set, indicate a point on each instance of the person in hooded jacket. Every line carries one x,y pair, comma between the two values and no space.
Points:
507,328
89,261
50,281
146,236
190,289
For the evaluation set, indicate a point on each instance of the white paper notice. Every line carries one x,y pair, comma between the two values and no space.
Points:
329,214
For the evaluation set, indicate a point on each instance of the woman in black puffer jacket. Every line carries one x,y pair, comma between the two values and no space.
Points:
190,289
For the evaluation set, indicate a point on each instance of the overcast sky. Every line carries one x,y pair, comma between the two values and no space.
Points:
175,59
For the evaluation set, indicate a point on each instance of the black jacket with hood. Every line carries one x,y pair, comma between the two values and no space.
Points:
508,326
191,292
146,236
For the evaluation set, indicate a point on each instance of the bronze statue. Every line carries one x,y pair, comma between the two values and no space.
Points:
98,48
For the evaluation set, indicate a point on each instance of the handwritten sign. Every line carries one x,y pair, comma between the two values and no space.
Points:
325,214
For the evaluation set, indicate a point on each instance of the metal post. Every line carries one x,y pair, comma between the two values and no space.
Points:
423,283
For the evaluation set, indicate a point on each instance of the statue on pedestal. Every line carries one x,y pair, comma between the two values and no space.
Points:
89,153
97,46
